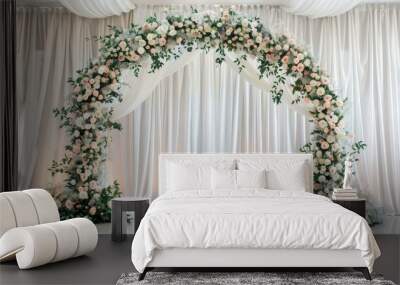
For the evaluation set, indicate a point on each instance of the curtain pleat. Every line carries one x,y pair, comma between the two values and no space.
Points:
8,98
205,107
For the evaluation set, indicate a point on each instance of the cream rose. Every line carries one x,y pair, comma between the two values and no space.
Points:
322,124
150,36
103,69
122,45
172,33
320,91
83,195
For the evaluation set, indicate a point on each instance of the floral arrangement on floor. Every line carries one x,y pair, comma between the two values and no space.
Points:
88,120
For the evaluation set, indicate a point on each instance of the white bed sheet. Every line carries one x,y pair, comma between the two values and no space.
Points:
250,218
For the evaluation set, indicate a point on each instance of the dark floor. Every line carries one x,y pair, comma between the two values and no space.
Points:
110,259
103,266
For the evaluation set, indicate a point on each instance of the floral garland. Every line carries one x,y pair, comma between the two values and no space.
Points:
88,121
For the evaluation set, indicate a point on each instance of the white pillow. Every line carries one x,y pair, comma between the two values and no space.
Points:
293,179
282,174
188,177
251,178
223,179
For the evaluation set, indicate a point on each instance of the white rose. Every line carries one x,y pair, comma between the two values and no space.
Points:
69,154
207,28
162,30
142,43
172,33
322,124
316,102
320,91
324,80
150,36
141,50
83,195
93,184
330,139
103,69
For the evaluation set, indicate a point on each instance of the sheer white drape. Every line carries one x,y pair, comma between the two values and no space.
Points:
98,8
311,8
204,108
51,45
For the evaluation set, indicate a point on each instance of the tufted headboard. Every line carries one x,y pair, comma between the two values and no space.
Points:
275,160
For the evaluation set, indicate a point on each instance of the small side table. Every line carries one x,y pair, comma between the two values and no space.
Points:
119,205
357,205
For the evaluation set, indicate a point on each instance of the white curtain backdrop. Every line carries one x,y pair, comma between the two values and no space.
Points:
98,8
51,44
207,108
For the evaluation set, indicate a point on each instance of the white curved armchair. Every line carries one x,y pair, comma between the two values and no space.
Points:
31,230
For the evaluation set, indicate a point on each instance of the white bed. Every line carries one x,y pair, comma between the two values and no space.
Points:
248,227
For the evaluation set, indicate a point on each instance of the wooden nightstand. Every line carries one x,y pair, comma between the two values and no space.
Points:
357,206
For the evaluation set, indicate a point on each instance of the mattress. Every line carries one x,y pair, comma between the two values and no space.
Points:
250,219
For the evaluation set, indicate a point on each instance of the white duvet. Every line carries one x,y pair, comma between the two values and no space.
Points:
252,218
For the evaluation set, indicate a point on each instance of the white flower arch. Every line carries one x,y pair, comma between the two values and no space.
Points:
88,116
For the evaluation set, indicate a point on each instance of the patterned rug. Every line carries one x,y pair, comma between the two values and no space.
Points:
244,278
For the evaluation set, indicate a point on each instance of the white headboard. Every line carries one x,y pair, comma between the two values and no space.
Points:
225,157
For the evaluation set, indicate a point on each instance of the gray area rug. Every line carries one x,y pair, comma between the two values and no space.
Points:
269,278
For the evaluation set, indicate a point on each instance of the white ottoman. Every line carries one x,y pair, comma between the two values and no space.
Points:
35,244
